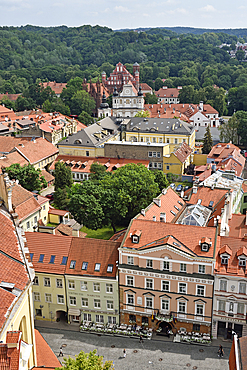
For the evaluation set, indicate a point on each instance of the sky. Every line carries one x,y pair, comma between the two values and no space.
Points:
125,14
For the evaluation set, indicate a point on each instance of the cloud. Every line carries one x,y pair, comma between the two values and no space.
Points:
182,10
121,9
208,8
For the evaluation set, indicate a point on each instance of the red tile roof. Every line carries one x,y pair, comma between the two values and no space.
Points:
237,225
167,92
58,212
49,245
187,235
165,203
183,152
57,87
10,356
6,300
24,202
63,229
93,251
45,356
207,195
48,176
165,111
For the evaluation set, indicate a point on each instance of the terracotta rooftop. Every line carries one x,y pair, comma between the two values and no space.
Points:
24,202
163,204
58,212
46,358
57,87
183,152
48,245
167,92
188,236
10,356
237,225
118,236
164,111
92,252
6,300
207,196
63,229
48,176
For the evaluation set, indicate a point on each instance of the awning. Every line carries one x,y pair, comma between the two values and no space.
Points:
74,311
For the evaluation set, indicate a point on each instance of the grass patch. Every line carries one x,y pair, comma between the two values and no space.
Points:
104,233
51,225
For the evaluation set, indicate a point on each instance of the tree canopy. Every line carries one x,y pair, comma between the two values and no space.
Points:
86,361
28,177
207,141
63,176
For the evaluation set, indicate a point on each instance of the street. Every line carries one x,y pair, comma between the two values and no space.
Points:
152,354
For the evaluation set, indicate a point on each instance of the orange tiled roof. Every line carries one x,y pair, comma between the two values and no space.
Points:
165,203
58,212
183,152
207,195
6,300
45,356
49,245
167,92
93,251
187,235
165,111
24,202
12,158
225,249
63,229
57,87
237,225
12,97
118,236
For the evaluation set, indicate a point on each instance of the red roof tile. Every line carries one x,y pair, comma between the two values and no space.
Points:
24,202
45,356
58,212
183,152
6,300
167,92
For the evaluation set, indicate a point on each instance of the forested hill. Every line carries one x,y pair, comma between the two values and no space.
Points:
62,53
239,32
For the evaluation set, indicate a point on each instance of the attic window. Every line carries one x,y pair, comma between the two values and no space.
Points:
135,239
180,203
211,203
173,213
64,261
205,247
52,260
72,264
84,265
41,258
242,261
97,267
109,268
224,260
31,256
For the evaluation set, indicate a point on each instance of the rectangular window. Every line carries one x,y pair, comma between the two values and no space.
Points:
182,287
96,303
72,301
35,219
87,317
166,265
158,154
154,154
182,307
109,288
167,140
130,281
165,304
175,141
28,225
97,267
31,256
199,309
52,260
223,285
36,280
167,168
149,302
84,302
160,165
130,298
64,260
72,264
222,305
84,285
41,258
150,154
96,287
182,267
150,263
59,283
154,139
87,153
84,265
109,268
201,269
112,320
240,308
130,260
149,283
99,318
48,297
38,312
165,286
200,290
71,284
109,305
60,299
47,281
242,288
36,296
224,260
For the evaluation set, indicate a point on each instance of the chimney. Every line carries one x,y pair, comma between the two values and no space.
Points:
162,217
143,212
76,233
157,201
201,105
154,218
194,189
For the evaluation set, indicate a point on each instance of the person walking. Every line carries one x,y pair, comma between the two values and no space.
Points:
124,352
61,352
141,338
220,351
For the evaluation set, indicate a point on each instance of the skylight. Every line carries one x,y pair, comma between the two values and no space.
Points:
84,265
72,264
41,258
52,260
109,268
97,267
211,203
64,261
31,256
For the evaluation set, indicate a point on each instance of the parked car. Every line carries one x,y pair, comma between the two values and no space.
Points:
50,196
172,186
186,188
179,188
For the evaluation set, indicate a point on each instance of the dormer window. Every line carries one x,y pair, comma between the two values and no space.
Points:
135,237
205,244
242,261
205,247
224,260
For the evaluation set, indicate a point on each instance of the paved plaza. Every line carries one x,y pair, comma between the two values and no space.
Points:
152,354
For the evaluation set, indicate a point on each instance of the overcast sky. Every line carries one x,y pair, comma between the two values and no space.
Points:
125,14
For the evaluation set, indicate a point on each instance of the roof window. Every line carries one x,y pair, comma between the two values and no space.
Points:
31,256
109,268
84,265
97,267
41,258
211,203
72,264
64,260
52,260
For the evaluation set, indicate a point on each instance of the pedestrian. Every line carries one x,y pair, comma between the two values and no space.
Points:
220,351
124,352
141,338
61,352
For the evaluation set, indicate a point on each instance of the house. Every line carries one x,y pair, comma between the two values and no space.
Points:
162,110
16,303
121,76
166,276
178,160
80,166
90,141
128,102
92,281
38,152
238,354
57,87
167,95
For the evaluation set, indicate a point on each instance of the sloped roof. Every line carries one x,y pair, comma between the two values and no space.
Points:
167,92
6,300
207,195
46,358
183,152
24,202
93,251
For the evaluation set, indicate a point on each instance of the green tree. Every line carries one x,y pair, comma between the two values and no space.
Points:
28,177
143,113
151,99
22,104
61,198
242,126
63,176
82,101
85,118
229,130
240,55
97,171
161,180
207,141
86,361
